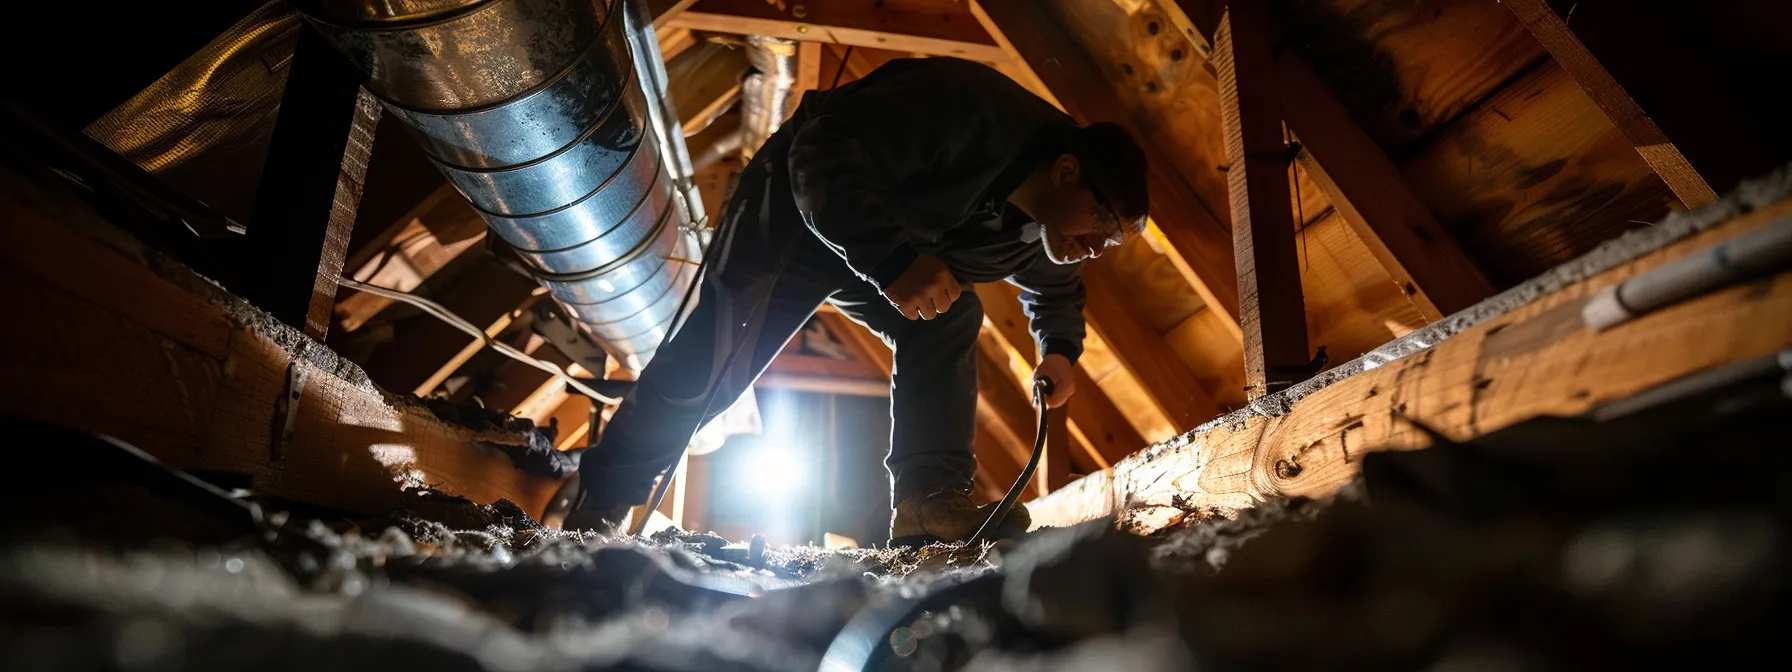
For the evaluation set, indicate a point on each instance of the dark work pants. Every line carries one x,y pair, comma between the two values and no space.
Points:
933,395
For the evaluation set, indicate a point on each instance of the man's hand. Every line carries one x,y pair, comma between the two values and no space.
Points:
925,290
1059,370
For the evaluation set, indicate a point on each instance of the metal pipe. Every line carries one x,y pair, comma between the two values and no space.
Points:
536,111
1745,256
650,67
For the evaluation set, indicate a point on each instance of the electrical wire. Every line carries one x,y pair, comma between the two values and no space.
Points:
436,310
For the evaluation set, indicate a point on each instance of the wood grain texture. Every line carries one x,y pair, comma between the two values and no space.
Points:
1619,107
1372,196
1535,176
934,27
206,399
1270,310
1533,361
1406,68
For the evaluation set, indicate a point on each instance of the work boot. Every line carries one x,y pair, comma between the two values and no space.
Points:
572,509
947,514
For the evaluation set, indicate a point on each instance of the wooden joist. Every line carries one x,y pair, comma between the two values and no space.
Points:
192,375
935,27
1201,240
1656,148
1271,311
1536,360
1369,192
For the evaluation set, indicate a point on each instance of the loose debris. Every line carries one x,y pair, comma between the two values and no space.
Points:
1659,539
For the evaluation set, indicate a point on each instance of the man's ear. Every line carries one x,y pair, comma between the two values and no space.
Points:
1066,170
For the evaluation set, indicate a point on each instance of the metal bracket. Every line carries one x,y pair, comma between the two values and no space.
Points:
286,410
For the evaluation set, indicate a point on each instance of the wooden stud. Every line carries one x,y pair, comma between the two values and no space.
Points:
946,30
1271,313
1368,190
1200,238
1656,148
305,207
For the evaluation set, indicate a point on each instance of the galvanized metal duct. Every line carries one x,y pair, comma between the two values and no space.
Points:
534,110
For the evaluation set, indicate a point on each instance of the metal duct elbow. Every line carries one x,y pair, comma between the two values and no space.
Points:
534,111
765,95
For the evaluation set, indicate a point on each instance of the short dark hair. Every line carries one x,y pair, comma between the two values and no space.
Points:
1115,165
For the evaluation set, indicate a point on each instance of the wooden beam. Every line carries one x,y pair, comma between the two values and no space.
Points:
934,28
1271,312
1142,351
1656,148
703,81
1537,360
1016,66
1199,237
808,70
473,347
414,256
1367,189
166,361
304,213
664,11
675,41
1110,434
860,338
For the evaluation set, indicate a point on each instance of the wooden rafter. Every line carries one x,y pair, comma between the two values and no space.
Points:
1107,432
1173,388
1271,311
411,258
917,26
1369,192
1655,147
1200,240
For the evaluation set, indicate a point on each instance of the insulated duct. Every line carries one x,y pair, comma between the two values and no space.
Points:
536,111
765,95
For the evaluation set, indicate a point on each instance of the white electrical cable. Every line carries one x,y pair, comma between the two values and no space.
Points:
441,313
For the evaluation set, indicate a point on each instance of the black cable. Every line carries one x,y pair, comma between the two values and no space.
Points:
842,70
1042,388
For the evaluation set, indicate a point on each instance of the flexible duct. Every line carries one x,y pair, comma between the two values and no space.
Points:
765,95
534,109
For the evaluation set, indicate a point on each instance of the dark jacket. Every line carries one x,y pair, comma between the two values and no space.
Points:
920,157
